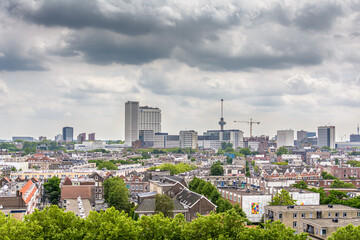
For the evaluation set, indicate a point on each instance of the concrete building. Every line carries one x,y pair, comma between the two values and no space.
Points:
326,136
58,138
150,119
147,138
285,138
91,137
41,138
68,134
131,122
253,203
188,139
81,138
301,135
214,138
297,216
160,140
26,139
355,138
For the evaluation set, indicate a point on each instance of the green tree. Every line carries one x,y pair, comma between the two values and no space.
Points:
245,151
346,233
340,184
326,175
116,194
107,165
281,150
301,185
229,160
52,190
282,198
216,169
164,204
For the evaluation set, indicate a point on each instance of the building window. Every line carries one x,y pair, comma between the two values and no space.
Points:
132,187
358,214
140,187
280,215
337,214
344,214
323,232
295,215
295,224
329,214
303,215
316,231
310,215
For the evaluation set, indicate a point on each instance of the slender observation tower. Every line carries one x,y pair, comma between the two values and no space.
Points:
222,122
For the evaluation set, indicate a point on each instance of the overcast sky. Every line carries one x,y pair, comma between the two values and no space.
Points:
288,64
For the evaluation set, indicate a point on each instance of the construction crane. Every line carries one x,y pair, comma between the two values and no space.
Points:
251,122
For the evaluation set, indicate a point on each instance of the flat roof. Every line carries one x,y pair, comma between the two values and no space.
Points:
311,208
242,191
328,222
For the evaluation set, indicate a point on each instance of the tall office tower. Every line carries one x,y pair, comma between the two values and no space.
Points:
81,137
68,134
285,138
91,137
301,135
326,136
188,139
131,122
149,119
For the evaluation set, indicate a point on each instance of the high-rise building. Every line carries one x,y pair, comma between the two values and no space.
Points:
188,139
149,119
355,138
58,138
326,136
285,138
81,137
301,135
131,122
140,118
91,137
68,134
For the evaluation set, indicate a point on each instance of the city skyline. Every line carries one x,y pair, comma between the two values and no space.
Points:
289,65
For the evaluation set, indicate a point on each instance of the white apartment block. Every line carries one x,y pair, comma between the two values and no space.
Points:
285,138
188,139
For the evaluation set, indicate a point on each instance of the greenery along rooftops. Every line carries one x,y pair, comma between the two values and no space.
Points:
175,168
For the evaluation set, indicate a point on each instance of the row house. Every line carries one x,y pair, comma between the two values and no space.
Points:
326,183
135,185
20,198
291,173
42,163
345,172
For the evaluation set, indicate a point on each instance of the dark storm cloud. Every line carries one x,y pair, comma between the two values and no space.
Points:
13,60
318,17
141,32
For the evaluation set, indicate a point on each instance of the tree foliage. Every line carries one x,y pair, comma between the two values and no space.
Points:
346,233
175,168
164,204
116,194
301,185
326,175
52,190
282,198
216,169
245,151
54,223
281,150
340,184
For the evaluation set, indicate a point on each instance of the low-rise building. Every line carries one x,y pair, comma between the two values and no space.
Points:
292,216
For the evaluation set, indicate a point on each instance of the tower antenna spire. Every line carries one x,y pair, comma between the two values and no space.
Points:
222,122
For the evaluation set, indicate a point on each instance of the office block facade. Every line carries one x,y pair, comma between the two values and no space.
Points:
68,134
131,122
326,136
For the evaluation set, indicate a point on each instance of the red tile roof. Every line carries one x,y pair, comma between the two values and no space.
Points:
71,192
25,189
